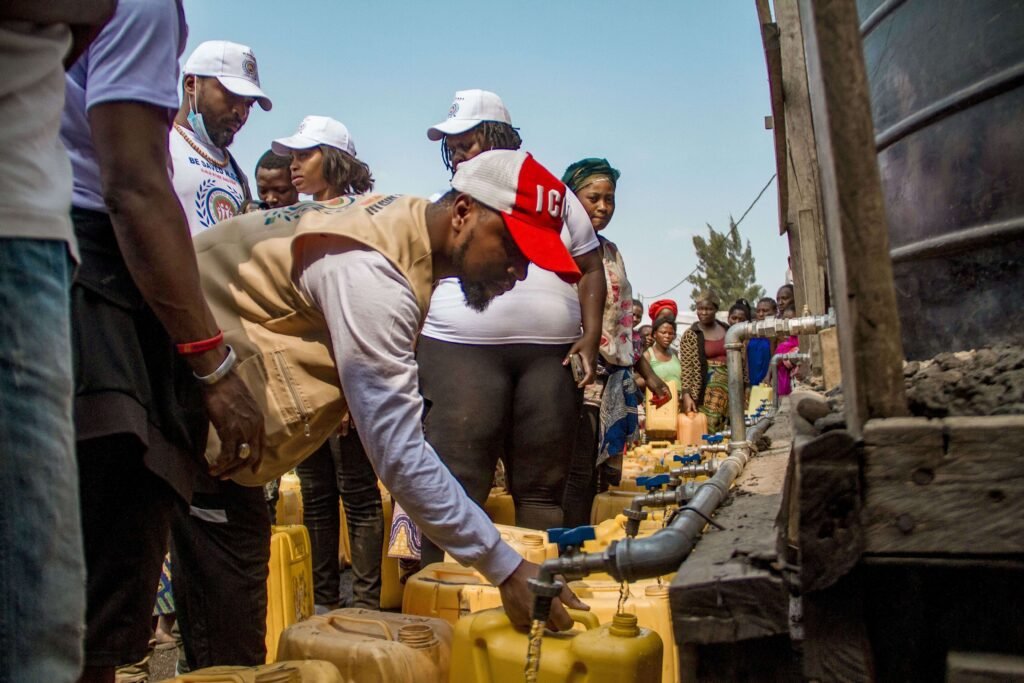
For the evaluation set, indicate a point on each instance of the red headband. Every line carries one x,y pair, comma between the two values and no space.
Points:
663,305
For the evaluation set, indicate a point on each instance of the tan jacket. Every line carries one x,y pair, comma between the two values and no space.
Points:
249,267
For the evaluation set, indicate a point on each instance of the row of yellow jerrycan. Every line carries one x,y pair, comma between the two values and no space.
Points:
455,594
499,507
357,646
290,510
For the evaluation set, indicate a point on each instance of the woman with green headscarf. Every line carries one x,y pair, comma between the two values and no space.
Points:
609,420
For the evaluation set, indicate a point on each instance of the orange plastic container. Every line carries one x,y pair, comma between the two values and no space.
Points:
289,500
529,543
500,507
648,600
690,428
448,591
488,649
311,671
366,645
661,422
289,582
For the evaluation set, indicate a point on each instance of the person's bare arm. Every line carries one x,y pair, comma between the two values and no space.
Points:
58,11
131,145
592,291
651,380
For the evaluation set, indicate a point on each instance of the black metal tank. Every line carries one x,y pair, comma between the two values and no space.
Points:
947,97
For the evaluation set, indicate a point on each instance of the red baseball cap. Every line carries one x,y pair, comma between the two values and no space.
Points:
530,200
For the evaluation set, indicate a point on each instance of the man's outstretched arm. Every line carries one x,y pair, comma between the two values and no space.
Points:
372,316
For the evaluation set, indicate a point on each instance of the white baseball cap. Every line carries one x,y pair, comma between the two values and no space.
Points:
232,64
469,109
314,131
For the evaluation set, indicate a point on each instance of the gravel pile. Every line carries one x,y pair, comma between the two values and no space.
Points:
981,382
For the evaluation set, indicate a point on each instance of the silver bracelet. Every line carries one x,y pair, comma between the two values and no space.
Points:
223,369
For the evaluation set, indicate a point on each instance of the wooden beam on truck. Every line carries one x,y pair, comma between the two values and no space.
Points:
773,61
944,488
806,231
855,224
983,667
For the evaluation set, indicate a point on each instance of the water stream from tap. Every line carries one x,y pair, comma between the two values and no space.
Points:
533,650
623,595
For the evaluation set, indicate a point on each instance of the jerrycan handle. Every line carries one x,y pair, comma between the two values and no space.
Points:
588,619
333,620
285,674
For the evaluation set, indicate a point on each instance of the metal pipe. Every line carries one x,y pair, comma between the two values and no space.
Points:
773,370
771,328
661,553
635,513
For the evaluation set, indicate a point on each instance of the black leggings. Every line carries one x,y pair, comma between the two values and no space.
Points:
516,402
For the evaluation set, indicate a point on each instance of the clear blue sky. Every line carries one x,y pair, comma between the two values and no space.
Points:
673,93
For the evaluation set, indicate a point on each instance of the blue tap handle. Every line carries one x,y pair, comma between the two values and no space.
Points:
686,460
566,537
652,483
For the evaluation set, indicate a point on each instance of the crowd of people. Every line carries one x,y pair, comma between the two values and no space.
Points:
174,343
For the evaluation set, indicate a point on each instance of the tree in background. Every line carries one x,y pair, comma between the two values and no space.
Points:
724,267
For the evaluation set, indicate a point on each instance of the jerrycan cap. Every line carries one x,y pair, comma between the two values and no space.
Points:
624,626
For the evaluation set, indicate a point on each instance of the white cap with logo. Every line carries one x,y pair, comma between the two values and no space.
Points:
232,64
314,131
470,109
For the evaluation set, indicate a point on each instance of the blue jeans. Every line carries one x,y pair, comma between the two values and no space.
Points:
42,572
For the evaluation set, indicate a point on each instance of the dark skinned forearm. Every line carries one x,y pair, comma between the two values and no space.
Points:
592,291
131,144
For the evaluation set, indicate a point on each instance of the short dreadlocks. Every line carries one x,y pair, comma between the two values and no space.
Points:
491,135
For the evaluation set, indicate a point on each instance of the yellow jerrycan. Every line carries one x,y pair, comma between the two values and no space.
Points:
448,591
366,645
661,422
531,544
344,547
289,500
289,582
311,671
500,507
610,504
488,649
648,600
758,393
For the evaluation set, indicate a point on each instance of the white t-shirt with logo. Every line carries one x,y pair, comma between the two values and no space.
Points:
542,309
208,192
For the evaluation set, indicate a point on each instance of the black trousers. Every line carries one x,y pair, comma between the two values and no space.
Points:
516,402
220,548
340,467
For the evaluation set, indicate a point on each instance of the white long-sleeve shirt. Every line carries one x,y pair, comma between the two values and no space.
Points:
372,317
